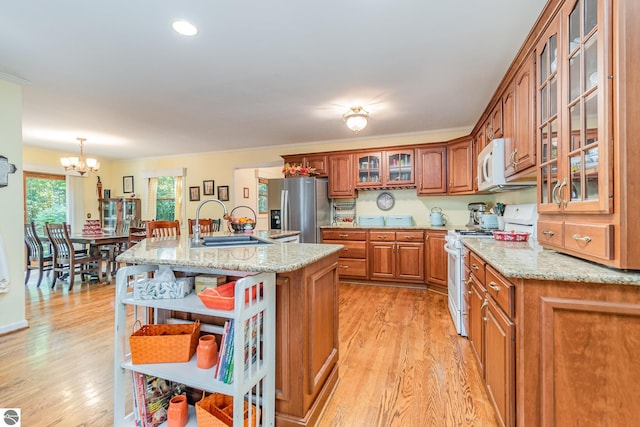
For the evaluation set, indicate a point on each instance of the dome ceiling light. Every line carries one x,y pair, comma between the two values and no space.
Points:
185,28
356,119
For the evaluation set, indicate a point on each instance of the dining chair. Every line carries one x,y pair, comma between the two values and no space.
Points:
110,252
216,224
67,260
206,225
136,235
39,256
163,228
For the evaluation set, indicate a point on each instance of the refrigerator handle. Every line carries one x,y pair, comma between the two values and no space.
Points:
283,210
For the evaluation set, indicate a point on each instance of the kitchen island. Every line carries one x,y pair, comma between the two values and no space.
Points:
306,310
557,337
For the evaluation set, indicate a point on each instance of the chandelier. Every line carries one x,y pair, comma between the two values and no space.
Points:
80,164
356,119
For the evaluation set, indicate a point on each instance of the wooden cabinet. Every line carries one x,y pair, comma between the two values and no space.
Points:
461,166
319,162
436,259
519,122
353,257
494,122
582,186
431,169
396,255
114,210
577,353
369,167
382,169
491,333
341,176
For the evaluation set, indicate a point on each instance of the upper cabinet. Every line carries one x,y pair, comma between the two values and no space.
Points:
392,168
461,166
431,169
341,176
519,122
317,161
573,172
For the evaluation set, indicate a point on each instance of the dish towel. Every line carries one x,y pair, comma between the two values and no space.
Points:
4,268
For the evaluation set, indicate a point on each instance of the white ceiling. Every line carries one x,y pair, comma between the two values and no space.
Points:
259,73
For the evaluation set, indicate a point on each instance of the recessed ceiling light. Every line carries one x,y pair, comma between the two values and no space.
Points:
185,28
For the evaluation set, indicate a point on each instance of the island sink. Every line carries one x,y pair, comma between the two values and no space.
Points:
229,241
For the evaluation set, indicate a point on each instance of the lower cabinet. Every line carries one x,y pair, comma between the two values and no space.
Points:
353,257
491,333
436,259
396,255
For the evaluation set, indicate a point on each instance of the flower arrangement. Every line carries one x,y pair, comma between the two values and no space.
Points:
298,170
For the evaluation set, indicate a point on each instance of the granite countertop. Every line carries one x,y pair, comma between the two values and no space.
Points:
177,251
276,234
527,260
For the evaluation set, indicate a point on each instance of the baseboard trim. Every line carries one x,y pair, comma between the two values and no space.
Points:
12,327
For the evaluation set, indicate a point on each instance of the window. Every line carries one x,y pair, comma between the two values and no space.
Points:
166,198
45,198
263,196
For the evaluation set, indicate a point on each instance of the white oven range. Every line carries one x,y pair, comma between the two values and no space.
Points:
455,288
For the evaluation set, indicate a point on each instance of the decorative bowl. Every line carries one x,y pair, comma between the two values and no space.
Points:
511,236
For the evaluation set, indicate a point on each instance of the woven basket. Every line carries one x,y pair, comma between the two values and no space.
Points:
164,343
216,410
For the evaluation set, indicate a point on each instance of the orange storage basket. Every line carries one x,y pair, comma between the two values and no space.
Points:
216,410
164,343
222,297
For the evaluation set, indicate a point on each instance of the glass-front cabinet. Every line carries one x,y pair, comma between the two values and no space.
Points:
114,210
573,110
385,168
369,167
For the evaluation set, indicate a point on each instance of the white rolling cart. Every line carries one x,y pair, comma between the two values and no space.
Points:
255,383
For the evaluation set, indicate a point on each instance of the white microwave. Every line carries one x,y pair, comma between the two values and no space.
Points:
491,167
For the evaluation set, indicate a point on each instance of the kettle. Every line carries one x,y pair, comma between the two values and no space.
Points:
436,218
489,221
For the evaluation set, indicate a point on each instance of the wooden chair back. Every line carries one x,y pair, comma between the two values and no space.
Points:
163,228
136,235
122,227
60,242
38,255
206,225
216,224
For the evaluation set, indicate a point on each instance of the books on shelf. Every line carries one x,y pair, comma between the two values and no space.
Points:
251,338
151,398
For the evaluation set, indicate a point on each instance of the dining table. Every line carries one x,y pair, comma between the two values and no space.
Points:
109,241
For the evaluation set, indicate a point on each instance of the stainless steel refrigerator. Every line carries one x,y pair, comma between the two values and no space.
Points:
299,204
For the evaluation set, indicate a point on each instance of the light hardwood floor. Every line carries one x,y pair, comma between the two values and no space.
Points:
401,362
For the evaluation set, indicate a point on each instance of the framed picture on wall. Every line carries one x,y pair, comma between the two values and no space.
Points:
245,192
127,184
223,192
194,194
207,187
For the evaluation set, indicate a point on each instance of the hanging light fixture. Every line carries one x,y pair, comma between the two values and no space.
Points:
80,164
356,119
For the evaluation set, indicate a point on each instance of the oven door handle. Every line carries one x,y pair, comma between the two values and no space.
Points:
451,252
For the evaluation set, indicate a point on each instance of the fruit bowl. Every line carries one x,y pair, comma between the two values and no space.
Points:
511,236
241,224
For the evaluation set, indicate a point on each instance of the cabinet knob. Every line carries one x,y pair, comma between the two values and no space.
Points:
344,267
343,236
409,237
475,267
493,286
548,233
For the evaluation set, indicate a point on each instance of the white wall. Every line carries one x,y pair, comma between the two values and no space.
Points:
12,307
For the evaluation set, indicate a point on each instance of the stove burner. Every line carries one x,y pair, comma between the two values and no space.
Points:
474,232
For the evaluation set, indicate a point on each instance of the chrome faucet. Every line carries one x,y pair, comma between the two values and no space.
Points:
196,232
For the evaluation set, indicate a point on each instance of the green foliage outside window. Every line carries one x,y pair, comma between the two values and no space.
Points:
46,200
166,198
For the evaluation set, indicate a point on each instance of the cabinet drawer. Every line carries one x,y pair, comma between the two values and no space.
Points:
502,291
351,249
550,233
352,268
476,265
344,235
589,239
410,236
382,236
